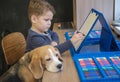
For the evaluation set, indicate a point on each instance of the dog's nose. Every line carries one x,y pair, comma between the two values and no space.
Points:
59,66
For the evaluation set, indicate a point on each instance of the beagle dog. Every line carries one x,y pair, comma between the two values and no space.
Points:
31,66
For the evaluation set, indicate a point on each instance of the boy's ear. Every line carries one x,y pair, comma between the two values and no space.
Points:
34,18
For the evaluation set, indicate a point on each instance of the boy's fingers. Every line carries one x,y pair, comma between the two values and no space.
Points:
81,33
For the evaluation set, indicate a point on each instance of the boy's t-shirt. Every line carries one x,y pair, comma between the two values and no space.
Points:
35,40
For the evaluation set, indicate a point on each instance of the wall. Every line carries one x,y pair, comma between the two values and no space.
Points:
13,16
117,10
83,8
64,9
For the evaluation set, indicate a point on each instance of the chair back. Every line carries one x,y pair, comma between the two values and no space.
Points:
13,46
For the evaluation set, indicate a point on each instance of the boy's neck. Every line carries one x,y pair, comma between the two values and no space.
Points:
35,30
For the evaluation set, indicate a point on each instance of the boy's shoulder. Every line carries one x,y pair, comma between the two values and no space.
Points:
31,32
51,32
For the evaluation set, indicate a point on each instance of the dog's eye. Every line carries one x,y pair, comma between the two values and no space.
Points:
56,55
48,59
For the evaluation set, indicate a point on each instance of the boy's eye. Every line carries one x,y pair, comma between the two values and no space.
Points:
46,19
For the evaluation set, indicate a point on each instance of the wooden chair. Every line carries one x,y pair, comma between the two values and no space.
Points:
13,45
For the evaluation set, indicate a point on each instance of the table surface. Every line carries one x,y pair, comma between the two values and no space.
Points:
69,72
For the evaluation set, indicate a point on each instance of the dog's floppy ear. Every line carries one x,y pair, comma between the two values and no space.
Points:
59,56
35,67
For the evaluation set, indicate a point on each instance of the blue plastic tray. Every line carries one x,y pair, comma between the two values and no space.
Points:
96,72
91,43
92,38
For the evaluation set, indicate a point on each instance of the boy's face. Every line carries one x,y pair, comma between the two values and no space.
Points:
43,22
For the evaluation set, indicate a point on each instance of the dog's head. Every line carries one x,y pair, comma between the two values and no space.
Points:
45,57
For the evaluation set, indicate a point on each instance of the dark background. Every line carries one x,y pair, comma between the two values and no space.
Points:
13,14
64,10
13,17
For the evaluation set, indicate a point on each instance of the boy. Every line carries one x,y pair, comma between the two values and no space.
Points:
40,14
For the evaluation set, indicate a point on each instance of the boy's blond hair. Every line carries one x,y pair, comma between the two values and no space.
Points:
39,7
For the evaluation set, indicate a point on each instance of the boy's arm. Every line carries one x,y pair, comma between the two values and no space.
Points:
38,41
54,36
64,46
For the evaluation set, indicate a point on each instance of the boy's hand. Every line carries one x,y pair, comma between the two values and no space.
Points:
79,32
53,43
77,36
